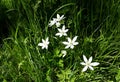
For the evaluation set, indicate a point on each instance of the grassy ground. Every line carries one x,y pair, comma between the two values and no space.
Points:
95,22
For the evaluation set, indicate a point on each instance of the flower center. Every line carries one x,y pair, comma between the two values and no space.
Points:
71,43
87,64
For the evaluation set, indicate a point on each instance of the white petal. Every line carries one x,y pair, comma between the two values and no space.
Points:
40,44
91,67
59,30
84,58
94,64
65,34
75,43
64,52
90,59
54,20
66,43
57,24
43,40
66,30
64,55
51,24
69,40
67,46
82,63
58,34
47,39
71,46
43,47
47,43
46,47
74,39
58,16
85,68
62,17
63,28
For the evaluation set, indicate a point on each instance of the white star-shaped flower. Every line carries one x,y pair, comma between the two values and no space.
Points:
44,43
59,18
88,64
71,43
52,22
62,32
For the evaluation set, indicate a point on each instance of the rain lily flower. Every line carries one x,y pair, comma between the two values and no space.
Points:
59,18
64,52
44,43
88,64
71,43
62,32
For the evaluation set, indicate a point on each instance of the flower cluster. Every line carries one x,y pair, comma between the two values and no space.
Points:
61,32
56,21
68,44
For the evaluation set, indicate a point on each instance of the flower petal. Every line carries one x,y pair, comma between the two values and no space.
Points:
58,34
43,40
64,52
46,47
67,46
69,40
90,59
66,30
84,58
71,46
75,43
59,30
58,16
82,63
63,28
40,44
91,67
43,47
47,39
58,24
94,64
64,34
66,43
74,39
85,68
62,17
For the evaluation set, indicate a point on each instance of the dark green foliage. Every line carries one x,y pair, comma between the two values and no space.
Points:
23,24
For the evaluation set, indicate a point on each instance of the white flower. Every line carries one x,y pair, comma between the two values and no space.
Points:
56,21
88,64
71,43
59,18
64,53
52,22
44,43
62,32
